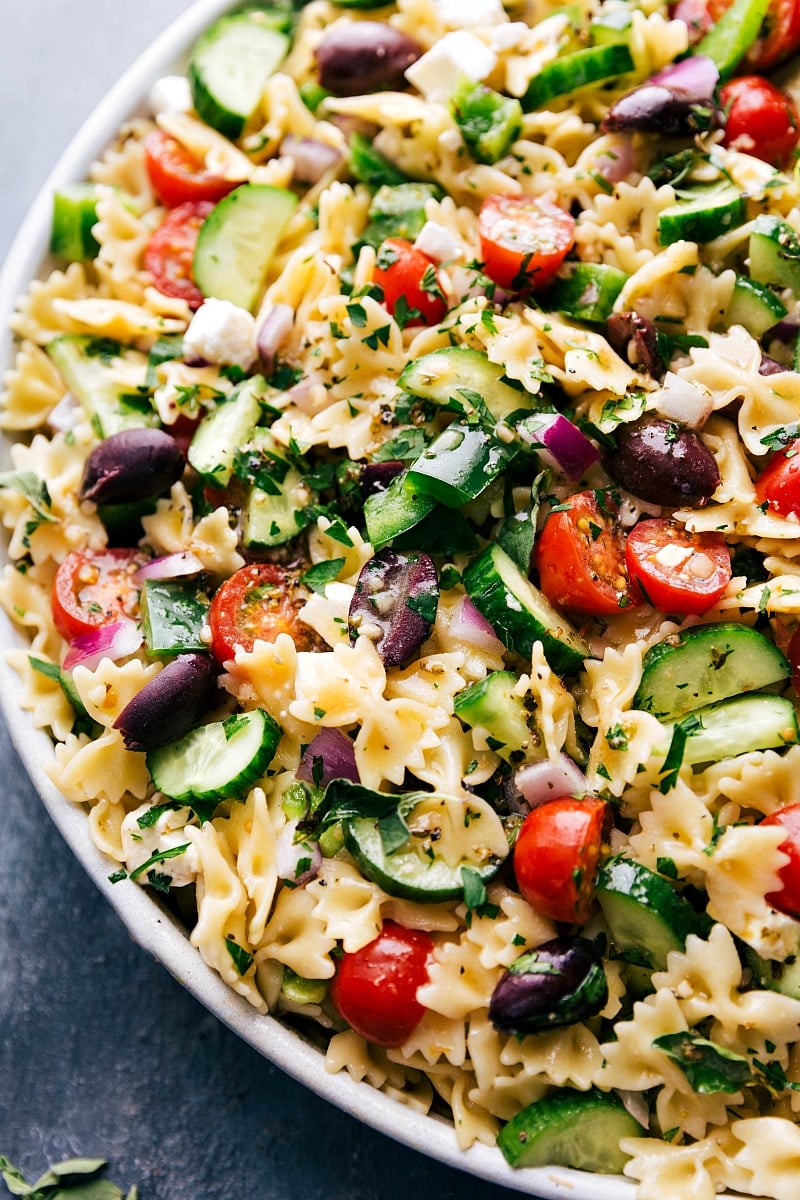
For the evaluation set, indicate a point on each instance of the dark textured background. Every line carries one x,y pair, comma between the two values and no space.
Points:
101,1052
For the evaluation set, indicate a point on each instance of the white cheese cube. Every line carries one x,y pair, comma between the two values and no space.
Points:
221,332
170,94
465,14
458,53
438,242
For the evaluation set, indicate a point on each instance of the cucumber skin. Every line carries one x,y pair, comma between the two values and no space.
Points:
570,1129
696,222
162,758
688,656
775,253
562,76
741,725
209,108
754,306
646,916
461,366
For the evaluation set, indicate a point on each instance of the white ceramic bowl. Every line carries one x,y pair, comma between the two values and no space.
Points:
146,921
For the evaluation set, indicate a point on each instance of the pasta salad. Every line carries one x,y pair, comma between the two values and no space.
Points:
403,515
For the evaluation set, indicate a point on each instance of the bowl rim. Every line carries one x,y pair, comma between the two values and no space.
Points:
145,921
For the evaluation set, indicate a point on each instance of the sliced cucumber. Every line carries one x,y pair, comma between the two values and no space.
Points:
775,253
703,218
570,1129
424,867
231,62
173,615
520,613
237,241
646,917
74,218
753,306
586,291
459,464
783,977
729,38
448,377
394,511
220,434
571,72
90,367
755,722
218,761
277,494
491,708
706,664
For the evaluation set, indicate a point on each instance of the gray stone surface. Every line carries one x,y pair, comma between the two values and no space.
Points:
101,1052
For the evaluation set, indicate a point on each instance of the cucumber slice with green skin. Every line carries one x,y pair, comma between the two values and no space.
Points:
753,306
394,511
729,39
702,219
219,436
277,493
448,377
459,464
774,250
646,917
421,868
586,291
571,72
237,241
491,708
218,761
783,977
74,217
755,722
706,664
520,613
570,1129
231,62
173,616
87,366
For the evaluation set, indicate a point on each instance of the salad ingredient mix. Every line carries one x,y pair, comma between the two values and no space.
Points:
403,515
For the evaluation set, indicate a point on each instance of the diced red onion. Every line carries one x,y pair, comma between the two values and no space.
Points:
273,332
471,626
66,414
114,641
171,566
304,394
333,750
297,862
549,779
683,401
636,1105
312,158
784,331
693,78
617,164
565,447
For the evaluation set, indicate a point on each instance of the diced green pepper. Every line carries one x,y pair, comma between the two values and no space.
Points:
370,166
173,615
74,217
727,42
489,122
459,464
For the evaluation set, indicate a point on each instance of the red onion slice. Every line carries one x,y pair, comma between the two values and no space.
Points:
334,751
273,332
114,641
549,779
693,78
312,158
470,626
563,444
66,414
297,862
171,566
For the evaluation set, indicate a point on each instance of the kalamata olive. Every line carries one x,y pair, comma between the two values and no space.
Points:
657,109
634,339
659,461
134,464
376,477
395,603
365,56
560,982
168,706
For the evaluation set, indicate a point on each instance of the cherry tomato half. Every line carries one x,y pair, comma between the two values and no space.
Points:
556,855
259,601
95,587
580,556
761,119
177,176
170,251
375,988
678,571
403,271
787,900
524,240
778,39
778,485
